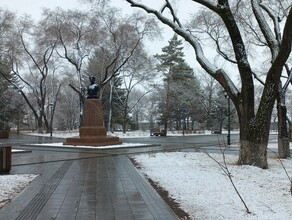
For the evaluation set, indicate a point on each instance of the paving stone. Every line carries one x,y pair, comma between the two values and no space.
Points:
101,187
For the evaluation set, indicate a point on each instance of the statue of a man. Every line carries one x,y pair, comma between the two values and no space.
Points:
92,89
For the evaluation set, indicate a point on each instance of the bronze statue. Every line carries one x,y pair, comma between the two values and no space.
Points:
92,89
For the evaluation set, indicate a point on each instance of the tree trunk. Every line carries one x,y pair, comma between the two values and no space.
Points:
47,125
40,125
253,145
178,125
18,122
125,120
80,111
290,130
166,110
254,138
252,153
283,140
109,127
124,125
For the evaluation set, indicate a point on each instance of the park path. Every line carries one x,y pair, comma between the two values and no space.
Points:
83,186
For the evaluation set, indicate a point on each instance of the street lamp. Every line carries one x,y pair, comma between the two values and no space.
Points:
228,113
228,107
51,122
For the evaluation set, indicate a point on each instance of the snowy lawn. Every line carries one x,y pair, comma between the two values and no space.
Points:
203,190
11,185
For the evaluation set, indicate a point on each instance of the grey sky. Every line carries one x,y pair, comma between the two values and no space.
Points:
34,8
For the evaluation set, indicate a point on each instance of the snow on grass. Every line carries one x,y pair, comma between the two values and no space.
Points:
11,185
61,145
196,182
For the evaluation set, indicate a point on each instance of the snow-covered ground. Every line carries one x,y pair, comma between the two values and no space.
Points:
11,185
198,183
201,187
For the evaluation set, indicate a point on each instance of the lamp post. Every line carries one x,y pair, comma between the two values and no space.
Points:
228,107
51,122
228,115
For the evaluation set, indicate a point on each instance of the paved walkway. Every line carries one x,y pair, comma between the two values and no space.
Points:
83,186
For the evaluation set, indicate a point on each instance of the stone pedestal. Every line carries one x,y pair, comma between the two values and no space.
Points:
93,132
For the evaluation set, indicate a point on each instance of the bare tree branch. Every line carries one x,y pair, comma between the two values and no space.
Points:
225,169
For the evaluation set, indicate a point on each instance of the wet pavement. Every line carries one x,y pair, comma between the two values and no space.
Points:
81,184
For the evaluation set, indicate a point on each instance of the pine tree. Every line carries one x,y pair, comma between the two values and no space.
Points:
10,102
180,85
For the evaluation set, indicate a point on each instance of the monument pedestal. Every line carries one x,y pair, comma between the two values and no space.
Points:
93,132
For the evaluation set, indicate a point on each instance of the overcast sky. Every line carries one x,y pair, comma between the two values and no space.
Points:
34,8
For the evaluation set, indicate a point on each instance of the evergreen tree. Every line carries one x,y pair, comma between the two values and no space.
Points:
172,55
4,97
180,85
11,104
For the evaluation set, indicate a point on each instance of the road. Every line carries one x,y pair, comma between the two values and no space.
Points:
188,141
38,154
17,140
211,142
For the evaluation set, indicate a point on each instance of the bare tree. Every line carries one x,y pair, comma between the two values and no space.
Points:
207,99
121,52
7,20
76,33
140,109
224,167
254,41
98,33
289,114
124,36
138,70
31,65
67,111
254,124
276,11
12,104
